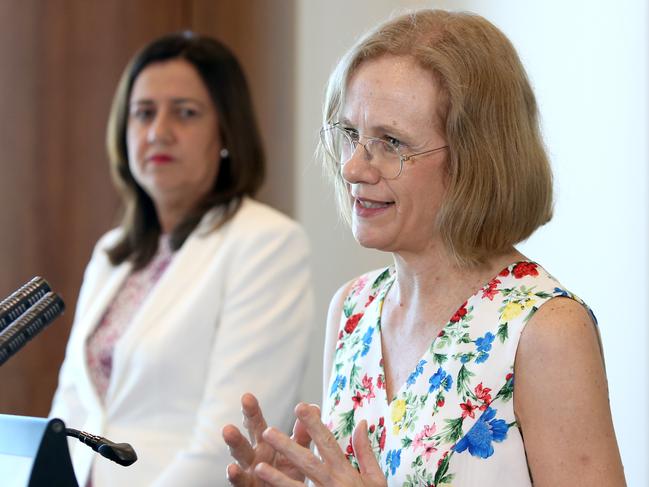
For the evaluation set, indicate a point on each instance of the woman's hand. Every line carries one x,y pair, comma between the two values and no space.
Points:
333,469
250,453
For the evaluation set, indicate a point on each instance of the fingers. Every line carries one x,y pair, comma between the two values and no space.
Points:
240,448
237,477
300,457
301,435
274,477
328,447
253,419
363,450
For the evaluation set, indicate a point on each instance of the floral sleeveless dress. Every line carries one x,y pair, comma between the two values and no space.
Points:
452,422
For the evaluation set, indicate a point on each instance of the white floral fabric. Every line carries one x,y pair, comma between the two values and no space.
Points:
452,422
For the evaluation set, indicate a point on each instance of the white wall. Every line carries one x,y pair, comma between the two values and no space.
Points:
588,62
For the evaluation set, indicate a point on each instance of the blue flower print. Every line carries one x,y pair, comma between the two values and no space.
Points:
367,340
393,460
484,343
440,378
561,292
339,384
479,438
418,371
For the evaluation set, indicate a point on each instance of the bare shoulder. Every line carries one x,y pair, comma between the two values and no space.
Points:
333,320
561,323
561,399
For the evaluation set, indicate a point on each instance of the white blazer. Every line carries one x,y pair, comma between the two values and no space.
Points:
232,313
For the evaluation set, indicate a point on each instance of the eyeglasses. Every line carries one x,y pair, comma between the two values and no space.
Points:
341,143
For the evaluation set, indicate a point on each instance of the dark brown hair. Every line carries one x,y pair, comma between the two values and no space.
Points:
241,173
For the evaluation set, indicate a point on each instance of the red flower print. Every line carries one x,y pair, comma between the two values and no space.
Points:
367,385
483,395
381,421
350,449
523,269
459,314
509,376
382,439
441,333
369,300
440,402
372,428
490,291
504,272
468,409
358,399
380,382
352,322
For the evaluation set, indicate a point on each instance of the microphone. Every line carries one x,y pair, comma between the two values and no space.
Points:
121,453
20,300
29,324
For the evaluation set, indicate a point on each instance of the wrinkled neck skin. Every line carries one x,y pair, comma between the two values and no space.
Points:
430,285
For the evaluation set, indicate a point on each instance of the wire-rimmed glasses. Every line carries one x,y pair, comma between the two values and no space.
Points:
340,144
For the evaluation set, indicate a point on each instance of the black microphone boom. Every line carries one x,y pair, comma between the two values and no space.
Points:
20,300
121,453
29,324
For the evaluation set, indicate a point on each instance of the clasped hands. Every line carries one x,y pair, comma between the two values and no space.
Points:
269,457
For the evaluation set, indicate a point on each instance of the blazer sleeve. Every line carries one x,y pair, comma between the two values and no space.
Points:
260,346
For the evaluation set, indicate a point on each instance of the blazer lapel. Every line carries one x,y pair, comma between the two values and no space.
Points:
177,280
108,284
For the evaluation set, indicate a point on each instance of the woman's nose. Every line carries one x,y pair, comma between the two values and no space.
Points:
160,130
359,168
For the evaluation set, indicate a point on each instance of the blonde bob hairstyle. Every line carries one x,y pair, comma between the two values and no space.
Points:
499,180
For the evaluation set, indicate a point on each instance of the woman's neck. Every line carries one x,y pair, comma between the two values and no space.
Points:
433,278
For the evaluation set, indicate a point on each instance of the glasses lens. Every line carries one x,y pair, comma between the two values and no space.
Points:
337,143
384,157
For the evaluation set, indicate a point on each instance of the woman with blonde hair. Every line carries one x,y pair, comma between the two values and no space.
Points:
464,363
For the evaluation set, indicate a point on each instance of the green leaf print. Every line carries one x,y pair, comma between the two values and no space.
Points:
506,392
452,432
462,378
440,358
442,476
379,280
503,332
346,425
348,307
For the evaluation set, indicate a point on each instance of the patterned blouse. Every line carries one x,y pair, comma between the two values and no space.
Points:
101,343
452,422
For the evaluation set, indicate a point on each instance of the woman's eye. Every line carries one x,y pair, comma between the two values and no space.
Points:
394,142
143,114
352,133
186,112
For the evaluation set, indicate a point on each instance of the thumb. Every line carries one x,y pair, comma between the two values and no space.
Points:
364,454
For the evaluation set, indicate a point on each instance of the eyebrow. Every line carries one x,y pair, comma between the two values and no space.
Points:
175,101
390,129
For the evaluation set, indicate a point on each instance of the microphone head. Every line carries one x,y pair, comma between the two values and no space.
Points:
121,453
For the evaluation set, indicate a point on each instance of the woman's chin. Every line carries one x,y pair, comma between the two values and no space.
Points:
370,240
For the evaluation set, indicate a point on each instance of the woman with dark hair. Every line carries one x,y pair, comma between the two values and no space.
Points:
200,294
464,363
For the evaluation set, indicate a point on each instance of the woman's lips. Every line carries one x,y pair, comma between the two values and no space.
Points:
161,159
368,208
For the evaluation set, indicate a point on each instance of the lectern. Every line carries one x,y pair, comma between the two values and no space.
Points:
34,453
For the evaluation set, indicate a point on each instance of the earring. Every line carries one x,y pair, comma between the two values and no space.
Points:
224,153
